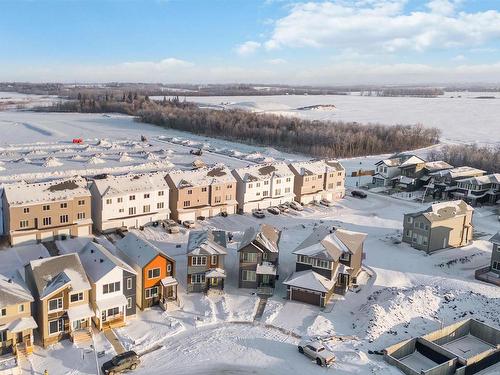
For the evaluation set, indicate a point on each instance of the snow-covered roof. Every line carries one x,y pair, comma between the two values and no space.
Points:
458,172
110,302
52,274
45,192
482,180
413,160
391,162
438,165
138,250
267,237
169,281
330,243
204,243
98,261
80,312
266,268
496,238
263,171
13,290
22,324
444,210
216,272
218,174
310,280
130,183
316,167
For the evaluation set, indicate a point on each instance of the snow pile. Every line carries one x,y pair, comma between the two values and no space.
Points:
95,160
99,155
77,157
151,156
36,152
271,311
124,157
51,162
103,143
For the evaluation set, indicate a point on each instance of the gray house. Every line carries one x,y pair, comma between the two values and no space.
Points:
495,254
259,258
442,225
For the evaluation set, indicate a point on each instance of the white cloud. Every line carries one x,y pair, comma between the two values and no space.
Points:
248,48
276,61
383,24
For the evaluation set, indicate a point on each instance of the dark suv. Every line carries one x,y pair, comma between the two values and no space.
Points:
359,194
125,361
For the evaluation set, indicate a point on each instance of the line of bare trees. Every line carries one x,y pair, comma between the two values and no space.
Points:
485,158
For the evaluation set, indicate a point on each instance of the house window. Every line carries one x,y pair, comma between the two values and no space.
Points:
257,184
496,266
199,261
247,275
151,292
26,210
129,302
3,312
20,308
131,198
217,199
249,257
146,196
214,259
111,288
3,335
265,193
230,186
330,186
131,210
64,205
217,188
304,259
56,326
229,197
278,191
160,205
121,210
114,311
161,193
80,215
146,209
345,256
266,182
153,273
409,219
278,181
23,224
250,186
46,207
119,200
47,221
56,304
187,203
76,297
169,268
63,219
190,191
109,201
204,189
287,190
199,278
129,283
258,193
288,179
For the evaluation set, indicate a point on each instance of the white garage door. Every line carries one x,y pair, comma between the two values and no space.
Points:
205,213
64,232
187,216
27,239
46,236
83,231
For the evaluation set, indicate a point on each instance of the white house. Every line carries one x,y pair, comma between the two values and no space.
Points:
113,282
387,169
264,185
129,200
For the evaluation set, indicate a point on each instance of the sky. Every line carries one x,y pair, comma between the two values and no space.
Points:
332,42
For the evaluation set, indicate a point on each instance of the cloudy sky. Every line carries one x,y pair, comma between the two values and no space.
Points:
268,41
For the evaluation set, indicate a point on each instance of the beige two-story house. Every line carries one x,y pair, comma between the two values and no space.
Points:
61,291
318,179
442,225
45,210
204,192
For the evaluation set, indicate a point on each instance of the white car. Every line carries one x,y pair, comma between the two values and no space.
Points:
296,206
316,351
327,203
188,223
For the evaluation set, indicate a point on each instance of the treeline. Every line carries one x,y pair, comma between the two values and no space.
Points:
485,158
406,91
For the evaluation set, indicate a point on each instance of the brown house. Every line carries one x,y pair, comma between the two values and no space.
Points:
43,211
318,179
204,192
61,291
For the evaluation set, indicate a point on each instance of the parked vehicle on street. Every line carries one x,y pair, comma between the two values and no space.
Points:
223,214
359,194
188,223
283,208
171,226
326,202
274,210
198,152
121,362
316,351
259,214
296,206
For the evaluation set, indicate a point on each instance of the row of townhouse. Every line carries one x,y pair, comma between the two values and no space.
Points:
70,207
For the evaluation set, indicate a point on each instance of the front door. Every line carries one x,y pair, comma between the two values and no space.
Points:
265,279
19,337
77,324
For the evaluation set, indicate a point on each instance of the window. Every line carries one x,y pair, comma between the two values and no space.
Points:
217,188
47,221
121,210
230,186
129,302
23,224
26,210
330,185
3,335
265,193
160,205
56,304
131,211
264,256
63,219
187,203
345,256
257,184
248,275
409,219
56,326
111,288
339,183
278,181
161,193
287,190
169,268
249,257
113,311
214,259
217,199
146,196
81,202
3,312
131,198
151,292
203,189
109,201
80,215
129,283
266,182
250,186
258,193
153,273
146,208
304,259
199,278
322,264
46,207
64,205
199,261
496,266
278,191
190,191
320,176
229,197
76,297
119,200
288,179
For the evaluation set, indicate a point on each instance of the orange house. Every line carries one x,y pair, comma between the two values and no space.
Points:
156,283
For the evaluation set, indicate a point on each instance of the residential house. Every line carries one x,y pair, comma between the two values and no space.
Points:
203,192
482,189
442,225
113,283
16,322
491,273
411,172
318,179
205,264
264,185
329,261
61,291
388,169
444,182
44,210
130,201
155,283
259,259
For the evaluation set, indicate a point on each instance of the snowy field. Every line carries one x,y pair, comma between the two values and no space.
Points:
454,115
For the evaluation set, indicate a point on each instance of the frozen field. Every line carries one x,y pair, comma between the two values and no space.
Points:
455,116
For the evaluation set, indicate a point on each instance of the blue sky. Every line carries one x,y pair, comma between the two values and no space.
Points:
269,41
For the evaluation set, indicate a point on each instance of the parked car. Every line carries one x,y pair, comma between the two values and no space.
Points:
326,202
171,226
359,194
317,351
283,208
122,362
223,214
259,214
198,152
296,206
274,210
188,223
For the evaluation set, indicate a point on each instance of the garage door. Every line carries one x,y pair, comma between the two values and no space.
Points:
187,216
83,231
205,213
307,297
64,232
27,239
46,236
